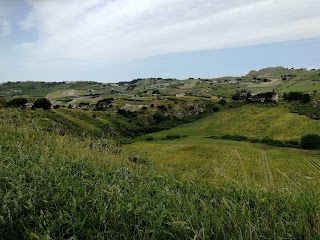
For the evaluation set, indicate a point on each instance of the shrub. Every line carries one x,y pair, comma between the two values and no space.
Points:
310,141
297,96
223,102
215,109
149,138
236,137
42,103
162,107
171,137
17,102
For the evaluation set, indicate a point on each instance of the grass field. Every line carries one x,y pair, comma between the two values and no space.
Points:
251,121
218,162
55,186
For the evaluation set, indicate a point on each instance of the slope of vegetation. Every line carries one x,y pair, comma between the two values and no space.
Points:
250,121
218,162
66,187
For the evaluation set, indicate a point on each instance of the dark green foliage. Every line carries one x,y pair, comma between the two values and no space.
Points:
103,104
162,107
269,141
306,98
305,109
156,91
127,113
172,137
215,109
149,138
17,102
83,104
235,137
222,101
42,103
266,95
297,96
310,141
236,97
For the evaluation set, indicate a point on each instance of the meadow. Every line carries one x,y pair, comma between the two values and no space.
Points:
71,186
275,122
218,162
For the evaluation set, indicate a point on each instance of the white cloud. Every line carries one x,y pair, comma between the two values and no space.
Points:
108,31
5,28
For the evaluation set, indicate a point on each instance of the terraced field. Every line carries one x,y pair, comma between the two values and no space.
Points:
246,164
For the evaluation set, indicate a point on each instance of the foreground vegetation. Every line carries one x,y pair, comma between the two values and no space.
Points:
57,186
65,173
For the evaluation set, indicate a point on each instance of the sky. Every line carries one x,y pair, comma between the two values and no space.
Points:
120,40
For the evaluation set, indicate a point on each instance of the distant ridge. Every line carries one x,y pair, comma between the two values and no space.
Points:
267,71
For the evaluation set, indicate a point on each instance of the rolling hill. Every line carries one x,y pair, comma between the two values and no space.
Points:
250,121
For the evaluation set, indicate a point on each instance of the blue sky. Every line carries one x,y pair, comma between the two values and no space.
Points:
119,40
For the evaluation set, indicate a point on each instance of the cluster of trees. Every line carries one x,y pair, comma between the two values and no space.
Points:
247,96
242,94
297,96
103,104
310,141
21,103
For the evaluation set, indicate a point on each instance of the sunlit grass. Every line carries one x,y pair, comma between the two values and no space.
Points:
251,121
55,186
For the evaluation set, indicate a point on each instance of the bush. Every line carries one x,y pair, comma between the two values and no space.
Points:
17,102
297,96
215,109
149,138
171,137
310,141
235,137
223,102
42,103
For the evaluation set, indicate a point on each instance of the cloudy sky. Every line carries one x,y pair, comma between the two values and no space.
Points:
119,40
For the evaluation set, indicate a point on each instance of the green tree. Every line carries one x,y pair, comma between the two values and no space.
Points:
42,103
310,141
17,102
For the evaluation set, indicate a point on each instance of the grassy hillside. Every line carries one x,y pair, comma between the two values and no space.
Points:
218,162
251,121
55,186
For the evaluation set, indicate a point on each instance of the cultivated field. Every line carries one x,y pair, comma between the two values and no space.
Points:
220,162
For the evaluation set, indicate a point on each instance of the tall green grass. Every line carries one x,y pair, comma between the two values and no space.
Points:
65,187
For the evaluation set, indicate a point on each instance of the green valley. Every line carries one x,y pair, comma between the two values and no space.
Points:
224,158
